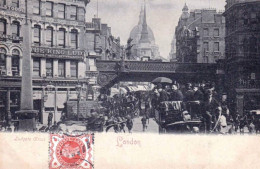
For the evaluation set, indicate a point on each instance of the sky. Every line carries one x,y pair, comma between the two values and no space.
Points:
162,17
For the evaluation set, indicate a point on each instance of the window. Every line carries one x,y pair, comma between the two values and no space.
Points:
37,35
73,69
253,44
2,27
61,37
36,7
81,14
15,62
74,38
73,12
15,31
15,3
206,46
36,67
49,67
49,36
2,60
4,2
49,8
216,32
61,11
216,46
206,32
61,68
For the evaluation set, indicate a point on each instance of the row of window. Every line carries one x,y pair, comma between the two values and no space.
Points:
215,32
50,37
15,60
215,46
76,13
49,68
15,28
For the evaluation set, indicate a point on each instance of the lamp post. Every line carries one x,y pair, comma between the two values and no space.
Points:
49,88
78,89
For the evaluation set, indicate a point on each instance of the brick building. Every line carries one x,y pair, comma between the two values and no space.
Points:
200,36
243,54
60,57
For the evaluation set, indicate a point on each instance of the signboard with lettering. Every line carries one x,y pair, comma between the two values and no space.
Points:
10,37
57,53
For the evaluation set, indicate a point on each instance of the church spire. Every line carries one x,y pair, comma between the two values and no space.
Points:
144,33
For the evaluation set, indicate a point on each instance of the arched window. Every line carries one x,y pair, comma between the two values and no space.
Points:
15,62
2,61
74,38
61,38
49,36
37,35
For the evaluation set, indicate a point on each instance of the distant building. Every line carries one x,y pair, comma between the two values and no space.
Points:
200,36
143,40
101,41
243,54
172,54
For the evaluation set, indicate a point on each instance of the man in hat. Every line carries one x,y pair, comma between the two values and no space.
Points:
188,92
176,94
194,106
163,94
208,109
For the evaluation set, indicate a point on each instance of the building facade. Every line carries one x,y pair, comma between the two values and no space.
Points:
243,54
200,36
60,57
101,41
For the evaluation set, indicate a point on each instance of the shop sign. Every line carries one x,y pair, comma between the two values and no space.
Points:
11,8
57,53
10,37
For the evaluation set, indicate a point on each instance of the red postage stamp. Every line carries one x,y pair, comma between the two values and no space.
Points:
71,152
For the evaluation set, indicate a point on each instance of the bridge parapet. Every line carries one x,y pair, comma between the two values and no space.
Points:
149,67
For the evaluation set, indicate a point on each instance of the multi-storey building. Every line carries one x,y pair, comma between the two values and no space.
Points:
200,36
243,54
101,41
60,58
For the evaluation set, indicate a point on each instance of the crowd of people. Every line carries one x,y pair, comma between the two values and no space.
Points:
199,100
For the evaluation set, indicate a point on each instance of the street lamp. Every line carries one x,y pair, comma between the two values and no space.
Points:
78,89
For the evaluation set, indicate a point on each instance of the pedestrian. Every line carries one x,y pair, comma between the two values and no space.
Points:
208,109
163,94
144,123
129,124
175,94
50,116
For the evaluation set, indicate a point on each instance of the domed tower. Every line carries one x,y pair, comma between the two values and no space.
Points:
185,12
143,38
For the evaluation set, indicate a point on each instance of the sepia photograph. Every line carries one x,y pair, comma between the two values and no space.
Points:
164,67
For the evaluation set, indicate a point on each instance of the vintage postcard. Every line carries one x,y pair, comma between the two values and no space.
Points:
129,84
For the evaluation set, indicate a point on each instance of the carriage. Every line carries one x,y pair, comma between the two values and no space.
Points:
172,117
